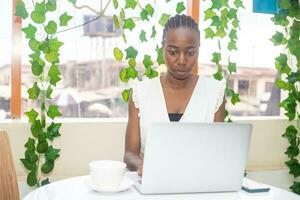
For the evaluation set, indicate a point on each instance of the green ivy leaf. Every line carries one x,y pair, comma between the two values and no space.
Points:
36,68
45,182
37,17
116,4
116,22
51,27
238,4
180,7
278,39
209,33
44,47
49,92
235,23
64,19
132,62
35,55
292,151
215,21
118,54
21,10
26,163
294,167
232,13
280,19
42,146
32,115
130,4
209,13
52,57
149,9
150,73
34,92
47,167
232,45
51,5
216,57
31,157
281,64
30,144
122,14
295,187
160,57
220,32
144,15
143,36
124,75
34,44
224,3
216,4
126,94
54,44
218,75
283,85
131,52
290,133
231,67
29,31
232,34
147,61
53,111
153,33
164,19
53,131
132,73
32,179
129,24
235,97
293,77
52,153
36,128
54,75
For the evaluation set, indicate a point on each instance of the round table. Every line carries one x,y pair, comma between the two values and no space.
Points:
77,188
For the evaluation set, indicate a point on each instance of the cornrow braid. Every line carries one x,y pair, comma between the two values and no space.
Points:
180,21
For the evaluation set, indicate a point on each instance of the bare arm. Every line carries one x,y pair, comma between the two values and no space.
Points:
132,140
219,115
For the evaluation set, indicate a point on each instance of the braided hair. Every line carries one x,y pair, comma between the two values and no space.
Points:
180,21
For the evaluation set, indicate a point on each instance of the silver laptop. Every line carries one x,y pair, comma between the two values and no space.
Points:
194,157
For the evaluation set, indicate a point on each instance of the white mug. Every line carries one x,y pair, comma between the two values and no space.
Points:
107,174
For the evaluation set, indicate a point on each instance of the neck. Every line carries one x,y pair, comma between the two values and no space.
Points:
175,83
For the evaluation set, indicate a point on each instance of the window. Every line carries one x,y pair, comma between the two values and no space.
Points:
5,58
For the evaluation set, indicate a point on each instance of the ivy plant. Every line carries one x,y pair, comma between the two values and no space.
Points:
40,154
128,25
223,28
288,66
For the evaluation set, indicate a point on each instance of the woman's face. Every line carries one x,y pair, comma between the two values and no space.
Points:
181,47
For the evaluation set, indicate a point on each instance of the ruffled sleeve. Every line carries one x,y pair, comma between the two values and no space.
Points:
135,95
220,94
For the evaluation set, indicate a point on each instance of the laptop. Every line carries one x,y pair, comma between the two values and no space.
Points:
194,158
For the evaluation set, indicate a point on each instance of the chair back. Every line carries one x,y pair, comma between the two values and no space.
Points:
8,179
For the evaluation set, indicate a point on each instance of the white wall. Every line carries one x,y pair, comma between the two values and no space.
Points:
92,139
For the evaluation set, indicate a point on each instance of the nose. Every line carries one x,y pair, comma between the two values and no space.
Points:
181,60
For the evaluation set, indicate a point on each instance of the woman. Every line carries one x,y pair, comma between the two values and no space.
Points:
179,95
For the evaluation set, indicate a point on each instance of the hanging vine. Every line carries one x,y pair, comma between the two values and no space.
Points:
288,66
223,29
40,155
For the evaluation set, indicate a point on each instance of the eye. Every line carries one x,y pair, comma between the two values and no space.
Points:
191,52
172,52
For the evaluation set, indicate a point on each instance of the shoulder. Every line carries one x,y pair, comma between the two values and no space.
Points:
212,83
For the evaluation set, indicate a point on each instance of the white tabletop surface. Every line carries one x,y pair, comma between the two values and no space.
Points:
77,188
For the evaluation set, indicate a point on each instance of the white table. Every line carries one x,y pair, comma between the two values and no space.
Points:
77,188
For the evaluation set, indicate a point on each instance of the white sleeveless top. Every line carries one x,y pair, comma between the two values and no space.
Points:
148,97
